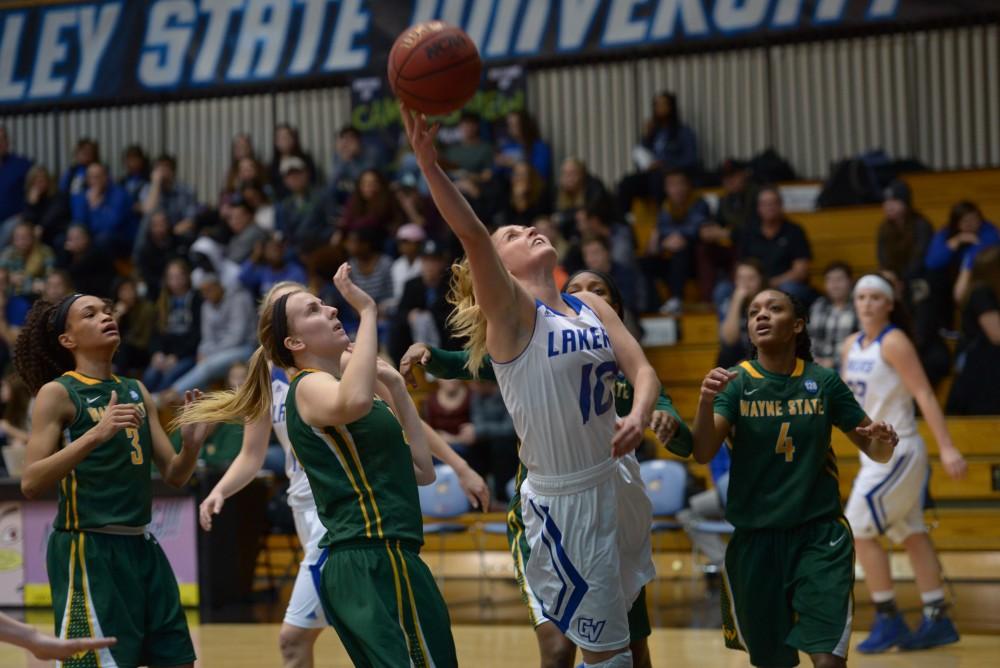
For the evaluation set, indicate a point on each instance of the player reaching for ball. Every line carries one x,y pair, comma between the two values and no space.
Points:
789,573
882,368
587,517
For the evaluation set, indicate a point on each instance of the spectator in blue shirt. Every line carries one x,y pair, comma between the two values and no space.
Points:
74,179
270,264
523,143
964,237
673,144
136,175
13,170
106,211
670,251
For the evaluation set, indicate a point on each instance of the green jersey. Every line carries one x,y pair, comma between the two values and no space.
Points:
784,470
361,474
111,486
451,364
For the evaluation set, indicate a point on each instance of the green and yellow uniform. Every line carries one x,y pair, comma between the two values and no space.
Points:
790,564
377,593
109,576
451,364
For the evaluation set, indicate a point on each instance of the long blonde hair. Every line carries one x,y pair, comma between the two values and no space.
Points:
467,320
253,398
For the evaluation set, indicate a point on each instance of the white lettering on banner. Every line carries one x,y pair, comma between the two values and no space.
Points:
575,19
168,34
691,14
733,15
309,33
453,12
533,27
479,20
10,42
829,10
264,29
786,13
214,36
51,52
424,10
502,30
880,9
352,21
621,27
95,34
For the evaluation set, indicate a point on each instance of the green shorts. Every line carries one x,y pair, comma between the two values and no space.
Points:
384,604
638,615
788,590
121,586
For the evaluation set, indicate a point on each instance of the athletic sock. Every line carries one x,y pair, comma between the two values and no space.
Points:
934,603
885,603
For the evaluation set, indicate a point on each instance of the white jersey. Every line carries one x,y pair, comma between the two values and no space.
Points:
878,387
559,392
300,495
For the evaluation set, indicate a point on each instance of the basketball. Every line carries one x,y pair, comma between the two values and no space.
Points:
434,68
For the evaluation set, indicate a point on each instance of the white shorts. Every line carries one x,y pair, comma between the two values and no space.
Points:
589,536
304,609
889,498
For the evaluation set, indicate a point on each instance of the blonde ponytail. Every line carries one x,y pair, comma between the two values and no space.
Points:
467,320
253,398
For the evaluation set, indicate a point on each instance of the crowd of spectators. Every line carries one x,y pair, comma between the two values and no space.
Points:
184,269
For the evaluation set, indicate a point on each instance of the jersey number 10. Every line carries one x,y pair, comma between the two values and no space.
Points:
592,390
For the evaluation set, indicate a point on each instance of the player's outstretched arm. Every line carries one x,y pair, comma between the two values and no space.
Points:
253,451
392,388
875,439
44,646
475,488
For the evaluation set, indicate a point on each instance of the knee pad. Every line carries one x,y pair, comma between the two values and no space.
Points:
622,660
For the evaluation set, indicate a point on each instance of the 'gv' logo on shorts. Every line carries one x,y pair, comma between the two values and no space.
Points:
590,629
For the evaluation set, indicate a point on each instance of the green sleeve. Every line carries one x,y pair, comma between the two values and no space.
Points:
451,364
682,444
727,402
842,407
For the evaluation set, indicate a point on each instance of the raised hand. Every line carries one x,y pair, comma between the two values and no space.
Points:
193,435
664,425
953,463
352,294
47,648
715,382
421,136
475,488
880,431
117,417
212,505
628,435
419,354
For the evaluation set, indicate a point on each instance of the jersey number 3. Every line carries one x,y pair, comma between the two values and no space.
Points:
133,437
784,445
592,389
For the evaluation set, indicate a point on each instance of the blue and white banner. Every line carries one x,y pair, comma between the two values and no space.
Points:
56,53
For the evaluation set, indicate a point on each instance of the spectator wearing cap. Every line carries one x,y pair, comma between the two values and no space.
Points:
780,246
13,172
105,208
831,317
270,264
228,332
409,239
177,199
670,249
423,309
902,242
287,144
246,234
299,216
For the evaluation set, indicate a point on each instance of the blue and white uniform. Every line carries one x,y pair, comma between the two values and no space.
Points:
886,498
304,609
586,515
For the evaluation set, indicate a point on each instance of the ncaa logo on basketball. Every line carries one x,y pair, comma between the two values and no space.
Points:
812,387
590,629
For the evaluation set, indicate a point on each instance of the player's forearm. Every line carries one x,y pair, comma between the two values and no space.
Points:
241,472
682,442
877,450
931,411
16,633
413,430
706,441
46,473
453,206
357,384
647,391
439,448
181,466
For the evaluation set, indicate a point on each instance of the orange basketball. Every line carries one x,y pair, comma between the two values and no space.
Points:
434,68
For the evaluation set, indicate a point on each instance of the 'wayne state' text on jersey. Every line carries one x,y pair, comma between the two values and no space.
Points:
559,391
361,474
299,494
111,486
878,387
784,470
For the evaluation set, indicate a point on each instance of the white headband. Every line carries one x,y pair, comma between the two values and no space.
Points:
877,283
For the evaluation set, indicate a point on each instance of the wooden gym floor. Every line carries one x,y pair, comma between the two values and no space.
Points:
504,646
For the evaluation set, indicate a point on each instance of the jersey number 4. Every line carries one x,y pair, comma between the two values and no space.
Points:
592,390
784,445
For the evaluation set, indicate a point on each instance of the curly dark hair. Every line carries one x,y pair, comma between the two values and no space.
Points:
38,357
803,342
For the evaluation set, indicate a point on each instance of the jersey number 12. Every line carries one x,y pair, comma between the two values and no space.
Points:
592,389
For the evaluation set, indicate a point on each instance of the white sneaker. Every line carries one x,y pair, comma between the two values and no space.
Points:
671,307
